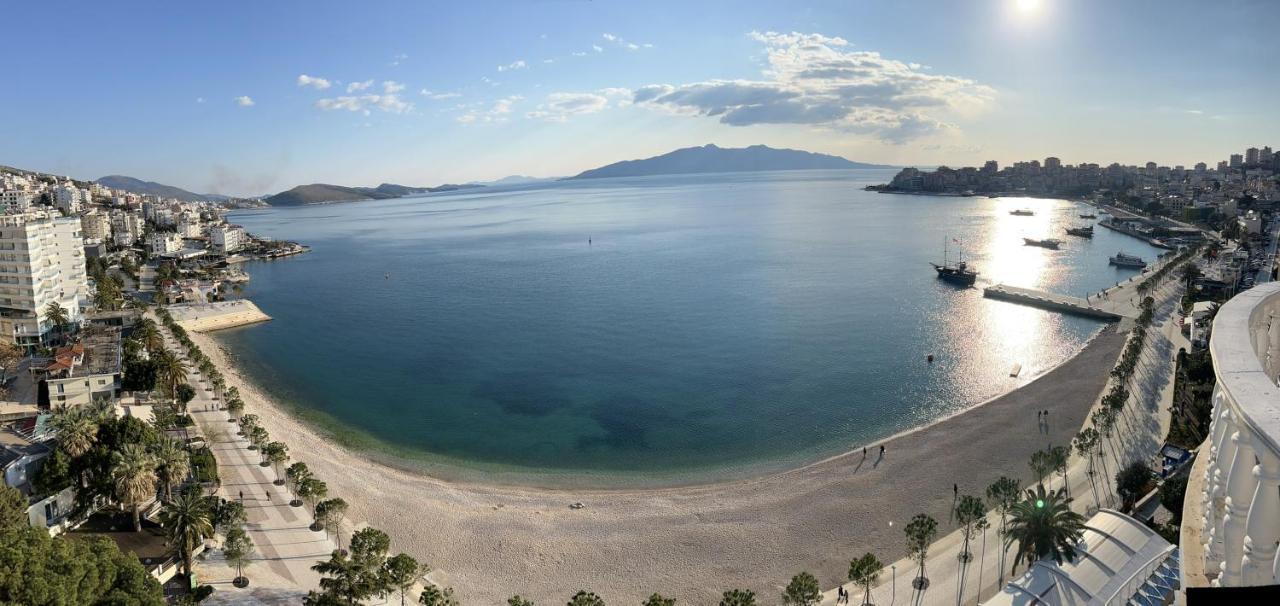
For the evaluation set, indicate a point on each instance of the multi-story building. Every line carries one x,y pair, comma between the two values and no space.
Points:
1052,163
17,202
1237,160
95,225
41,262
164,242
126,227
1251,155
67,198
226,239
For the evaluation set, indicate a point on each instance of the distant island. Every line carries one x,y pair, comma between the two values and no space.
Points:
316,193
713,159
138,186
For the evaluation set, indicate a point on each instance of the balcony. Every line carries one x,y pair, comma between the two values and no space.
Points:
1239,489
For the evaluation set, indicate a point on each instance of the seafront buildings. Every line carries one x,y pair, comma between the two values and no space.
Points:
41,264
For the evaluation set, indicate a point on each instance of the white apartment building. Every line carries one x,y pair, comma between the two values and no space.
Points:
41,262
126,227
17,202
226,239
164,242
67,198
95,226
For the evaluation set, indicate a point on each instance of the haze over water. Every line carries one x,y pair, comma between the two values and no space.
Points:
715,325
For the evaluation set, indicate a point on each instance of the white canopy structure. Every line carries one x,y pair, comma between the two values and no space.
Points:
1118,561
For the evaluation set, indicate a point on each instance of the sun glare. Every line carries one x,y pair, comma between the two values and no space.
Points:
1027,6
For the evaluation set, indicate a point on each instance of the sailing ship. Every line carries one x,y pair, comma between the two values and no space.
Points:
957,273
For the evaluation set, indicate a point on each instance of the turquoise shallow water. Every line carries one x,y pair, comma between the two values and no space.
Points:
713,323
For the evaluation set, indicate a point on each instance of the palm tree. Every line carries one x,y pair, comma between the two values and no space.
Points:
174,463
969,510
133,471
149,336
864,572
76,430
1002,494
188,521
172,370
1043,526
57,315
920,531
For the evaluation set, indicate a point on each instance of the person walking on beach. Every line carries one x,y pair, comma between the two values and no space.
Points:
864,452
882,451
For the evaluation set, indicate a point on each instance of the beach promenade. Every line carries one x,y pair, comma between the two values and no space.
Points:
1139,435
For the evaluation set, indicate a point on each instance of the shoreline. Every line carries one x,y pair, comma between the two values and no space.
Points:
743,532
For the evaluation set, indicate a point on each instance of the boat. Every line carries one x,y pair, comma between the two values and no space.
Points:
1083,232
1022,212
1045,243
1088,216
1123,260
957,273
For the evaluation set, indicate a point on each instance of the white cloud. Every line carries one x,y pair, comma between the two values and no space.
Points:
199,99
631,46
359,86
597,48
398,58
610,37
1195,112
437,96
559,106
391,87
815,80
390,103
498,112
579,54
514,65
548,60
314,82
244,101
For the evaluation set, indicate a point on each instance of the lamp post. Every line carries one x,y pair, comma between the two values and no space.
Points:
893,585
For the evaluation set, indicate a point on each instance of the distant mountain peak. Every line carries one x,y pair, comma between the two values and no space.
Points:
711,158
138,186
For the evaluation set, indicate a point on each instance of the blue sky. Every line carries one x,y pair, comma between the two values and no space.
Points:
423,93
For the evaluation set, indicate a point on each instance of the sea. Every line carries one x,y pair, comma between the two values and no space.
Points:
655,330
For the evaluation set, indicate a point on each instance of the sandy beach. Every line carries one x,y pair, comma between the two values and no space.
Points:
489,542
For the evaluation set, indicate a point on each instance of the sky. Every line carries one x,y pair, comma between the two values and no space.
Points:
249,98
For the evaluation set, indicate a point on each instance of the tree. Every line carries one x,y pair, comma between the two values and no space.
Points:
171,370
293,478
228,515
1041,465
1059,457
107,295
1132,483
969,511
920,532
1085,442
360,575
656,599
258,436
803,590
13,508
173,463
276,454
237,549
516,600
585,598
330,513
185,394
235,407
402,572
738,597
1043,526
38,569
864,572
133,472
54,475
312,490
57,316
187,521
75,428
435,596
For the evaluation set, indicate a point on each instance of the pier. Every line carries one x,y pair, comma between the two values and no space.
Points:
206,317
1103,309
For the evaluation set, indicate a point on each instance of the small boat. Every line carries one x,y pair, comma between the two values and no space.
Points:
1022,212
958,273
1083,232
1088,216
1123,260
1045,243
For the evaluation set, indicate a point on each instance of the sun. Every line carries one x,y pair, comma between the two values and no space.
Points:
1027,6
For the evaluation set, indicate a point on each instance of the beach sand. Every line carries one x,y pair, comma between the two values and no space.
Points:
692,543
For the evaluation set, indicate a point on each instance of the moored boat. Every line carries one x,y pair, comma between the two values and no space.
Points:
1123,260
1088,216
1045,243
1022,212
1083,232
955,273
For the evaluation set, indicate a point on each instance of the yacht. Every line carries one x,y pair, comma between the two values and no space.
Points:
1022,212
1123,260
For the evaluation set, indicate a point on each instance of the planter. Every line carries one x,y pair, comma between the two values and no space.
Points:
240,582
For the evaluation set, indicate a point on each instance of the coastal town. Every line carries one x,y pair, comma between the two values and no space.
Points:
129,434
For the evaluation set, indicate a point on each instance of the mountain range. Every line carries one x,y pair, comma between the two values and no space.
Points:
713,159
323,192
138,186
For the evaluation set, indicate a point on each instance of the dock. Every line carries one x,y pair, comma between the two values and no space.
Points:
1051,301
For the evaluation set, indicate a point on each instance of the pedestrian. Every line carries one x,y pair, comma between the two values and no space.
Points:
268,493
864,452
241,496
882,450
955,489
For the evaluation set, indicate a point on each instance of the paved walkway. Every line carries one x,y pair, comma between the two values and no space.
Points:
285,546
1139,434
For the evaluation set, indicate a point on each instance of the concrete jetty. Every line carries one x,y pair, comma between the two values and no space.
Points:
205,317
1055,302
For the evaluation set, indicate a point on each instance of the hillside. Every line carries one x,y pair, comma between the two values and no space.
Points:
138,186
316,193
714,159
